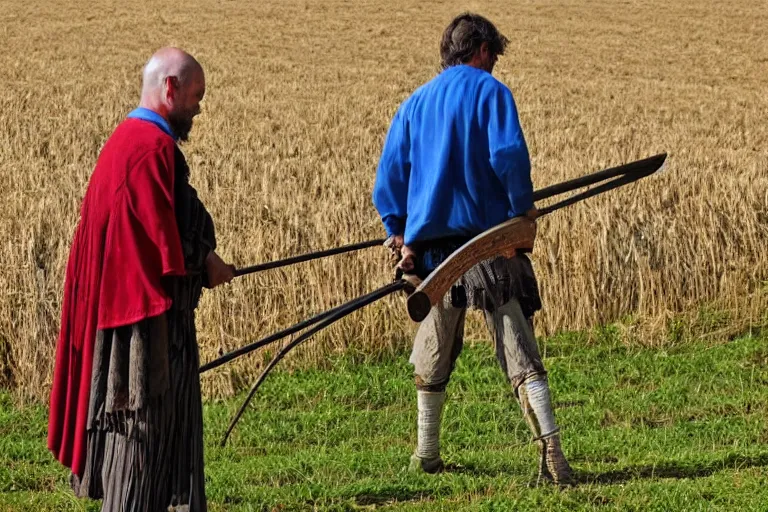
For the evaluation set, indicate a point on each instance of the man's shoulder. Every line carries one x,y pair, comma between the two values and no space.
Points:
132,143
465,76
491,90
137,138
436,82
455,82
423,92
491,84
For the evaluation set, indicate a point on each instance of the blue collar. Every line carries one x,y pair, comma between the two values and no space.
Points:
154,118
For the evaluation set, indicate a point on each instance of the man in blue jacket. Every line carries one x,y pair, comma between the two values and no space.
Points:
454,164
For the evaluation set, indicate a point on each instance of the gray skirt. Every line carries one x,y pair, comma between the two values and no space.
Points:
492,283
145,428
489,284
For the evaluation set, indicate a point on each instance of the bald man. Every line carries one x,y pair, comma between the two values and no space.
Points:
126,413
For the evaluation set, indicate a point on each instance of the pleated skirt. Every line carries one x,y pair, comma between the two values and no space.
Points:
145,435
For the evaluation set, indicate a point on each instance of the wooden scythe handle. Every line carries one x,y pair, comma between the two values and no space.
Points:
501,240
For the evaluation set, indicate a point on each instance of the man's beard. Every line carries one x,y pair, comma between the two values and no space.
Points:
181,125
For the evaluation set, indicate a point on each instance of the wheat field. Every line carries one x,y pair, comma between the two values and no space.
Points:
299,99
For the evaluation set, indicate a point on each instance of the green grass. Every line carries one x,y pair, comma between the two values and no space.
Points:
680,428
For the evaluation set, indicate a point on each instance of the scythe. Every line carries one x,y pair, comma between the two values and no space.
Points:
505,239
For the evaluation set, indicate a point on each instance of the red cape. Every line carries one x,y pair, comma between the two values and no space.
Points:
126,240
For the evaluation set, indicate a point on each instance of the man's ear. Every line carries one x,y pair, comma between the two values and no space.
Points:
171,89
484,50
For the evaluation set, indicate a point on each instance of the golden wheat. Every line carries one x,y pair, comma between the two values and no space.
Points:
299,99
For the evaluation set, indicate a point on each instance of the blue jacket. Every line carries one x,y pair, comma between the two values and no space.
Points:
455,161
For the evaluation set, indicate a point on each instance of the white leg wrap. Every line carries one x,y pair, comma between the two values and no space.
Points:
539,400
430,411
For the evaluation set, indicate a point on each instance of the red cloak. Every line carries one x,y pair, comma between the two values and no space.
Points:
127,239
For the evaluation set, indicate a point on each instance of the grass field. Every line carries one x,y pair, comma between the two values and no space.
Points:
681,428
300,95
664,410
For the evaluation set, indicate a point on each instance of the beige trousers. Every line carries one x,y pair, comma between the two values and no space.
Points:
440,339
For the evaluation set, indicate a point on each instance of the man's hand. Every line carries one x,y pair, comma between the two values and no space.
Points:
408,259
218,272
401,255
531,215
394,243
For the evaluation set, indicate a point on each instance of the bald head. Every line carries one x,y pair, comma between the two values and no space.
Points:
173,84
168,62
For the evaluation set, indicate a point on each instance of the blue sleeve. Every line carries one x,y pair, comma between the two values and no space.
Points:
508,150
390,191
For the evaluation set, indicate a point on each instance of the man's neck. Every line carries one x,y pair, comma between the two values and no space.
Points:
148,114
158,109
478,62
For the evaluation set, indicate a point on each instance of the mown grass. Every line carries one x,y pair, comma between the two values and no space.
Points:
645,429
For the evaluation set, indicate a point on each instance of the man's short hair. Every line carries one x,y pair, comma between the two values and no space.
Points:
464,36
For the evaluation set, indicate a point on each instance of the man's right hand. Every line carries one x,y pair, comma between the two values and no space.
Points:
532,214
402,256
218,272
407,260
